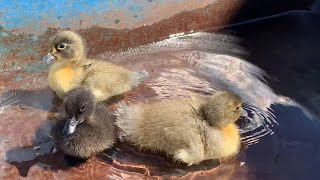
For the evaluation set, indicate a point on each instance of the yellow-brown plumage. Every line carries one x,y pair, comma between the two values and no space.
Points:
188,129
72,69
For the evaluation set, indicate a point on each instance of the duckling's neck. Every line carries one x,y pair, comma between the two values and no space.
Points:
210,118
231,139
91,121
222,142
78,60
65,75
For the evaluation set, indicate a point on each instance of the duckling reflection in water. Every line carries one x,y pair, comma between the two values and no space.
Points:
188,129
84,127
72,69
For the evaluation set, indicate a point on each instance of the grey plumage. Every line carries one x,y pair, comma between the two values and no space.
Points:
93,135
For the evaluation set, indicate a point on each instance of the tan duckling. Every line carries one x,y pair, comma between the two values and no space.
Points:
188,129
84,127
72,69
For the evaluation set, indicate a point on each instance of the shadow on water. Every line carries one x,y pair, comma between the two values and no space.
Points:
126,157
23,158
28,99
40,152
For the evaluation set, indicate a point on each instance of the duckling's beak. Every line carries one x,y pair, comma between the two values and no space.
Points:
48,58
70,126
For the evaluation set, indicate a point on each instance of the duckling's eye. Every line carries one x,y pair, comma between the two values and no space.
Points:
82,108
62,46
237,108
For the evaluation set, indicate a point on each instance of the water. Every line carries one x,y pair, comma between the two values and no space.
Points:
178,66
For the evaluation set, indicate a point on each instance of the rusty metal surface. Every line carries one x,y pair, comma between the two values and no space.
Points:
35,17
27,104
16,57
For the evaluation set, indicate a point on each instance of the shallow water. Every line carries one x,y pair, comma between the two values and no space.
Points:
275,131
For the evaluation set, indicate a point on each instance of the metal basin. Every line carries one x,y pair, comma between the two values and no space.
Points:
266,51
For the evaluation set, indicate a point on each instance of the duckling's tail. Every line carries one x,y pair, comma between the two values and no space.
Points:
125,121
140,77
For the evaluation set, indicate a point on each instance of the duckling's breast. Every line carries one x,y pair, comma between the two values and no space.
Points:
64,77
221,143
231,140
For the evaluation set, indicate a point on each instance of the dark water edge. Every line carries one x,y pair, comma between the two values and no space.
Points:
292,152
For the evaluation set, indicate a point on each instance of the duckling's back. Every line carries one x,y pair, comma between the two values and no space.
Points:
153,125
106,79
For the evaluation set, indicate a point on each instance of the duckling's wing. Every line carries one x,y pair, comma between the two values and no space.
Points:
167,125
106,79
115,73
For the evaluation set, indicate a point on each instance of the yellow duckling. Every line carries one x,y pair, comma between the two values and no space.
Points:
188,129
72,69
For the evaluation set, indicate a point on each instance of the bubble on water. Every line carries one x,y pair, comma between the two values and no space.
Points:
36,148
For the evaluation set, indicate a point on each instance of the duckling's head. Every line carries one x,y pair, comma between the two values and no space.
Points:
79,106
222,109
66,45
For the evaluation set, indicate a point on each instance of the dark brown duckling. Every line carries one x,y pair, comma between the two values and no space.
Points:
84,127
188,129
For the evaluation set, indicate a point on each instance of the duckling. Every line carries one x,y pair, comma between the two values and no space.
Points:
84,127
72,69
188,129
